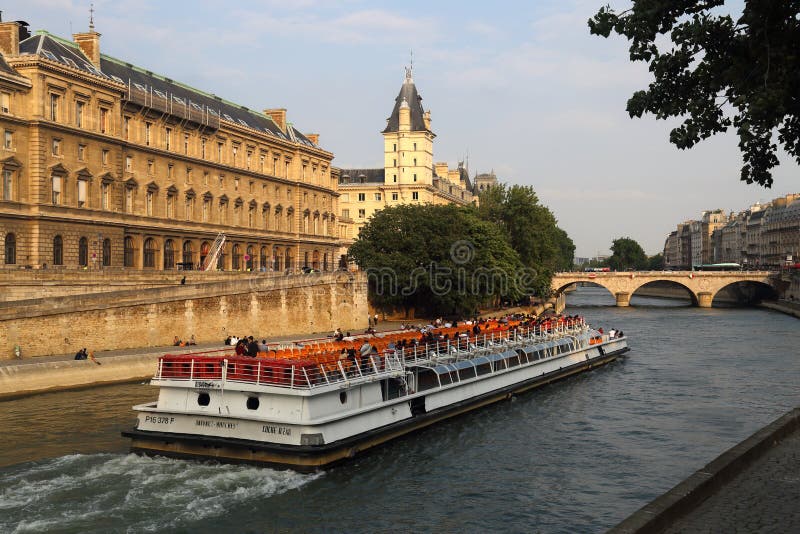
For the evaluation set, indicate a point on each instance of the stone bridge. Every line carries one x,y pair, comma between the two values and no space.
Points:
702,285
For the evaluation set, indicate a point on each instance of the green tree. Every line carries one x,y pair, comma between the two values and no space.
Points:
436,259
627,254
716,72
655,263
531,229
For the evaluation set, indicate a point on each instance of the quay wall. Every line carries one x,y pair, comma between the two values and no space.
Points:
788,308
684,498
25,284
134,318
41,377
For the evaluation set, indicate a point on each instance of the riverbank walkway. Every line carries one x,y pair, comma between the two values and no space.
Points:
752,487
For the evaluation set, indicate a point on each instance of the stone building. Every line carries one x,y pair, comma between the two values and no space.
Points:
409,174
108,165
764,235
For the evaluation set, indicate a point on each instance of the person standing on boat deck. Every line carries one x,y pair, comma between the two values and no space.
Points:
263,347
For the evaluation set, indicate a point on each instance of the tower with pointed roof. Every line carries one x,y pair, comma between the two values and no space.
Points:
408,139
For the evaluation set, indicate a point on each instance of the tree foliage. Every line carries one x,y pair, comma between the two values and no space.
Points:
531,229
656,262
627,254
440,260
718,73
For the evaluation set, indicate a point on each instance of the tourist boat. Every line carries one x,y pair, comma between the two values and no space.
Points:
310,405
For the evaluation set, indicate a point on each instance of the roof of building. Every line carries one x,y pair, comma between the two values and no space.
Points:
362,176
5,67
408,94
180,95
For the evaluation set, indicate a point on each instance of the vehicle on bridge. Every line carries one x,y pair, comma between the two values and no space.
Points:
718,267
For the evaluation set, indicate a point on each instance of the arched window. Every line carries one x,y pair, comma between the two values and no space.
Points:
128,252
187,255
83,252
276,259
249,260
11,249
288,260
325,262
106,252
262,263
58,250
315,259
149,252
237,258
169,254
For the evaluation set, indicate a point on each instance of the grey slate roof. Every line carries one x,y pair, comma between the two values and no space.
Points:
5,67
408,92
137,78
358,176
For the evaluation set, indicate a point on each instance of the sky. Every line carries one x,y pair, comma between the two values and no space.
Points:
517,87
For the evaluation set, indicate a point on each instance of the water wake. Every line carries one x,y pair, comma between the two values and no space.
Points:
129,493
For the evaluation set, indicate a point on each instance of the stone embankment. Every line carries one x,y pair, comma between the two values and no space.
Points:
783,306
153,317
752,487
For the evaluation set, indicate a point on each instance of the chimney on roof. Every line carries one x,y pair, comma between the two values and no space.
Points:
9,37
440,169
314,138
278,116
89,44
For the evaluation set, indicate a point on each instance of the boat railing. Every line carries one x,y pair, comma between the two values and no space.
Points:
209,372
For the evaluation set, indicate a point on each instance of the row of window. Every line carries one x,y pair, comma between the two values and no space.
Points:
151,171
171,140
241,258
269,219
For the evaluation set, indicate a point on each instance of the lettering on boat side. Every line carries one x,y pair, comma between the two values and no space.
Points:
279,430
206,385
159,419
214,424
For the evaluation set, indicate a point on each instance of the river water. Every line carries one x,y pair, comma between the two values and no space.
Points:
576,456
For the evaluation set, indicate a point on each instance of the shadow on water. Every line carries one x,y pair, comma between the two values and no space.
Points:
575,456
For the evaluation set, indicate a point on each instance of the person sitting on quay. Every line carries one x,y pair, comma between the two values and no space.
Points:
263,347
176,342
191,341
81,355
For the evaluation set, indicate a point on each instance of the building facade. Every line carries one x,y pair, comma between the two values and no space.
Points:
764,235
409,174
108,165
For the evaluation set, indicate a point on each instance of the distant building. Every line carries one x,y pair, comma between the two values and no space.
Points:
764,235
409,174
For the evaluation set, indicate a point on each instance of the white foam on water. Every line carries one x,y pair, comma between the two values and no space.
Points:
104,491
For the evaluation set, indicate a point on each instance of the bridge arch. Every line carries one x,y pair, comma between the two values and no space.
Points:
744,292
666,285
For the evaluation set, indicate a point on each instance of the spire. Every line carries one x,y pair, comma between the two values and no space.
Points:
408,98
91,17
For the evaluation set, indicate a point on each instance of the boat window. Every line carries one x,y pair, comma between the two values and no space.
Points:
466,373
343,397
512,361
203,399
484,368
427,380
252,403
